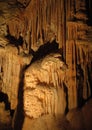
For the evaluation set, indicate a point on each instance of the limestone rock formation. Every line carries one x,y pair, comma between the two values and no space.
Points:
8,10
37,25
11,65
75,119
39,80
43,87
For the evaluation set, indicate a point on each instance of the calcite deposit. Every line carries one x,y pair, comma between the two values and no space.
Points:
43,87
10,66
45,59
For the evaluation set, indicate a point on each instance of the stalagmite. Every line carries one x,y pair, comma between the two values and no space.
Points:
42,88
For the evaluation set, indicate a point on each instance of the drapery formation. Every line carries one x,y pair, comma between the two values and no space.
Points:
44,90
39,22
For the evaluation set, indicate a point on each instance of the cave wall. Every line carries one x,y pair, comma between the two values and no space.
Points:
10,69
11,65
39,22
78,52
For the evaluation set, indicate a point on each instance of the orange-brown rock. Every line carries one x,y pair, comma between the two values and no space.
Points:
11,65
37,82
43,87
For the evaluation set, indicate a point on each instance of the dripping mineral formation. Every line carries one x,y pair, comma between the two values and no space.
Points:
45,64
43,87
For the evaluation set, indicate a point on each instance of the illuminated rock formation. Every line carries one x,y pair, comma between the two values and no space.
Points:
39,23
44,92
39,82
11,65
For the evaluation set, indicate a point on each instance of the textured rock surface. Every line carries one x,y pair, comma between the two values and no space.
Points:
78,58
43,87
76,119
8,10
11,65
25,25
37,25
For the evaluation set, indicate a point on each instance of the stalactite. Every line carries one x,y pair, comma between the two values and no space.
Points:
71,52
46,23
45,20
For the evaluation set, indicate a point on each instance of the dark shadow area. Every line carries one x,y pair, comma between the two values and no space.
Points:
14,41
4,98
80,79
44,50
24,4
66,92
89,11
89,70
19,112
